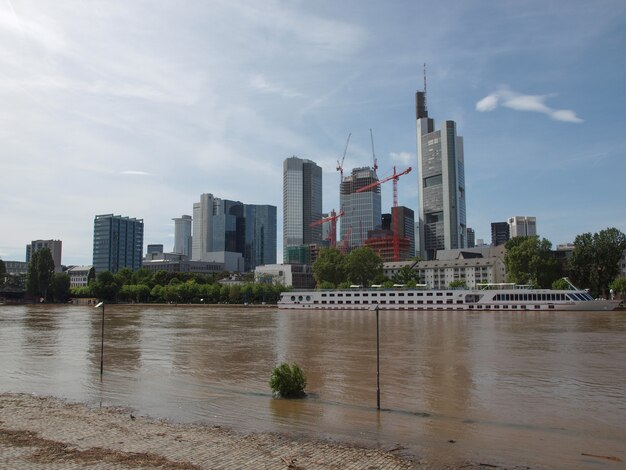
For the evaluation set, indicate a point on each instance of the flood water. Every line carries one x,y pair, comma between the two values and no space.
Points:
515,388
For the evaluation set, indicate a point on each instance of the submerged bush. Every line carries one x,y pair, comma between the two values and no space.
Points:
288,381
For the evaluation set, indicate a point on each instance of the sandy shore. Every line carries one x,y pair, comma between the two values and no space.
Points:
47,433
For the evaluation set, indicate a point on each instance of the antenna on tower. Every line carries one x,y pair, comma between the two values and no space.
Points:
425,86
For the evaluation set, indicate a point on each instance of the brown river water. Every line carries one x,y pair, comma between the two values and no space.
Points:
515,388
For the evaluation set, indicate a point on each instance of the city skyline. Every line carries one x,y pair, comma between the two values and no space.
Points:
125,109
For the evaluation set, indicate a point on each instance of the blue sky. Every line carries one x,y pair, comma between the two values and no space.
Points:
136,108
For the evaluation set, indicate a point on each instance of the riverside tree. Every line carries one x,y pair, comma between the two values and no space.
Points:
329,268
362,266
40,273
529,260
595,261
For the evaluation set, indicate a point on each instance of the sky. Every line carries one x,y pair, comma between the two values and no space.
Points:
138,107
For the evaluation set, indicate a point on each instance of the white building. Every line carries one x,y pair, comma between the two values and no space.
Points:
522,226
79,275
182,235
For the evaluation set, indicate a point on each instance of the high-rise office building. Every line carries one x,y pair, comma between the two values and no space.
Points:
260,247
55,247
182,235
302,203
117,243
362,210
239,235
441,184
471,238
500,233
522,226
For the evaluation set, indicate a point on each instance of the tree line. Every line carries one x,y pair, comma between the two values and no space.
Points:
144,286
594,263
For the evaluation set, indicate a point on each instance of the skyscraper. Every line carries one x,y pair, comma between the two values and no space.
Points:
362,211
242,236
182,235
441,184
500,233
302,203
522,226
260,231
55,247
117,243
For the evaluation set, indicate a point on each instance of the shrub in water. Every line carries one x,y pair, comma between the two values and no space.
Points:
288,381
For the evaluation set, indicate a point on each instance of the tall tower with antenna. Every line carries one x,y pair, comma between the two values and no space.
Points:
441,183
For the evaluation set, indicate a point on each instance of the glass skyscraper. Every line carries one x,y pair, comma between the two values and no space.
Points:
260,245
362,211
441,184
302,203
117,243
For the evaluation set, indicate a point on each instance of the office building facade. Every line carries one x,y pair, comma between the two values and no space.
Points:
238,235
117,243
522,226
362,210
500,233
55,247
441,184
302,203
182,235
260,236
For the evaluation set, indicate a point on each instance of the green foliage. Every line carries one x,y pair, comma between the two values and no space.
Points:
60,287
405,275
595,261
619,285
288,381
362,266
326,285
561,284
40,273
106,287
3,271
457,285
529,261
329,267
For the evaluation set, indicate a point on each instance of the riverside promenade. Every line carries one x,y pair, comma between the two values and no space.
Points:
47,433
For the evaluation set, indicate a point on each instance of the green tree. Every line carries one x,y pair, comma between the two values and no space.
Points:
405,275
40,272
106,287
561,284
288,381
60,287
3,272
124,276
595,261
143,276
329,267
529,260
457,285
619,285
363,266
91,275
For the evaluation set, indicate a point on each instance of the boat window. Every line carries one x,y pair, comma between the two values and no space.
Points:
391,294
293,298
323,301
410,294
459,302
448,293
429,301
382,294
429,294
339,295
323,295
365,294
348,295
300,298
449,301
308,298
316,301
400,301
439,294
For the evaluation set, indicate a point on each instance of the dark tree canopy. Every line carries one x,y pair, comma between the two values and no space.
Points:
329,268
595,261
40,272
363,266
529,260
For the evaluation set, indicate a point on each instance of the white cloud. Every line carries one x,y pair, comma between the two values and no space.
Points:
135,172
520,102
402,157
260,83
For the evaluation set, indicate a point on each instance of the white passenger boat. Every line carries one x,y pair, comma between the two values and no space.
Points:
499,297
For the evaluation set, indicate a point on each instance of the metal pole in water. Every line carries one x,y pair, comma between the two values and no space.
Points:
101,304
377,362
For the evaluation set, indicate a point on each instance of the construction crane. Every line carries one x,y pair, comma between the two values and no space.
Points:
394,213
332,218
375,167
340,165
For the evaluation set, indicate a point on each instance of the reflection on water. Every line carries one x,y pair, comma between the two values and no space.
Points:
532,387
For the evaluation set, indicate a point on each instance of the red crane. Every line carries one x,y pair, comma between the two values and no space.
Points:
394,213
332,218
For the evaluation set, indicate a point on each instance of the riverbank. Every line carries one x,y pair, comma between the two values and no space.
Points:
43,433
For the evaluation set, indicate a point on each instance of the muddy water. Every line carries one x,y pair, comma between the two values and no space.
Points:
538,389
